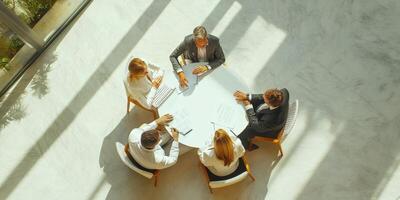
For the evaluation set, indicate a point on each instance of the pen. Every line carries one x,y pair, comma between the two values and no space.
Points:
232,132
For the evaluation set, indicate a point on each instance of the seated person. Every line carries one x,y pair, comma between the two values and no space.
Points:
197,47
266,112
142,82
145,145
222,156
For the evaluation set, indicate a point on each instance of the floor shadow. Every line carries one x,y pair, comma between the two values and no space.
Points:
116,172
322,56
328,63
96,80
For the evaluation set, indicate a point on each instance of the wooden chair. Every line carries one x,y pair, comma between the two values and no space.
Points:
123,151
240,174
290,121
131,100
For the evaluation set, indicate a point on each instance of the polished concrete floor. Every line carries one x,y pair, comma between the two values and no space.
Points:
340,59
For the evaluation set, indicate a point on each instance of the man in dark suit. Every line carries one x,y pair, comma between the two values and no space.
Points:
197,47
267,113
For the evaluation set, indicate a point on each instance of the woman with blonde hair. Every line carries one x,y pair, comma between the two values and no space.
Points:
222,156
142,81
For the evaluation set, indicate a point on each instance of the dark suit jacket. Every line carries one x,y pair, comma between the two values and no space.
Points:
215,55
268,122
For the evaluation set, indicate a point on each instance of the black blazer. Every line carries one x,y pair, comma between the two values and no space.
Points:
271,121
215,54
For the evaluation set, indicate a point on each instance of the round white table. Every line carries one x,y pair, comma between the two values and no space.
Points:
205,103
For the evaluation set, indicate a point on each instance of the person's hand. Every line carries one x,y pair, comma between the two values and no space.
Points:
200,69
246,102
182,80
157,81
175,134
165,119
240,96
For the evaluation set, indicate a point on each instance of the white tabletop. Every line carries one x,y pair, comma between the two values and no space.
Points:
204,102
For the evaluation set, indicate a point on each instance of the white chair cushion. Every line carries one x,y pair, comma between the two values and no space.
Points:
121,152
231,181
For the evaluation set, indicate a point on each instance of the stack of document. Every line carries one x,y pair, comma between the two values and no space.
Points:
162,94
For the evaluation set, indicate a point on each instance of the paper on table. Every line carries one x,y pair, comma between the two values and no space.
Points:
181,121
192,78
226,116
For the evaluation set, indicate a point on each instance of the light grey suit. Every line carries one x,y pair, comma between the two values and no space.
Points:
215,55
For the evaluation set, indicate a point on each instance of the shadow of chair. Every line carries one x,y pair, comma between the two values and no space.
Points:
290,121
137,103
240,174
123,152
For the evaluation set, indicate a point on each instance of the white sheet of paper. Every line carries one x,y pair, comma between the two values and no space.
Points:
181,121
226,116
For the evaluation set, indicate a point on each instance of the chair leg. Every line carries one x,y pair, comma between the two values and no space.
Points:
128,104
250,145
280,149
156,178
251,176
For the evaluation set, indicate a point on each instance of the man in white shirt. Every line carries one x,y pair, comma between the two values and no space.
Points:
198,47
145,145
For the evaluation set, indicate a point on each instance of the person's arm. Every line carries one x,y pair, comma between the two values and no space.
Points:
154,71
147,127
256,124
255,99
150,97
219,56
204,157
142,98
170,160
174,56
239,148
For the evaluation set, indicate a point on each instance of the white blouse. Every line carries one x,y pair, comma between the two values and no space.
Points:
215,165
142,89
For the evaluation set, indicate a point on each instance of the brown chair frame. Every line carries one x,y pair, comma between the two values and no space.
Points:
156,173
130,100
277,141
204,169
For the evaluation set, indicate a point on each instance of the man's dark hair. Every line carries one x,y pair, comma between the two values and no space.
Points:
274,97
149,139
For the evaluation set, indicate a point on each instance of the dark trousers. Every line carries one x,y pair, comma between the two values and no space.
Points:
248,133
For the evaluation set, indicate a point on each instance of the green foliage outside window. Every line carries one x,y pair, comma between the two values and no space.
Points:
30,11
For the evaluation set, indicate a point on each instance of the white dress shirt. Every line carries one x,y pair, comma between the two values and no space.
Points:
260,108
201,56
142,89
151,158
215,165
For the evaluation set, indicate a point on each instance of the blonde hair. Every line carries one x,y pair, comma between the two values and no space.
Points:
136,66
223,146
200,32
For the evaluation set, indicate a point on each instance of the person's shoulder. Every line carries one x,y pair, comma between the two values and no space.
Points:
189,38
212,38
135,134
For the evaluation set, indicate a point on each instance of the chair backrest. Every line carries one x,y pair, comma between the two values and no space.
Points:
285,106
227,182
121,152
291,118
126,88
240,174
